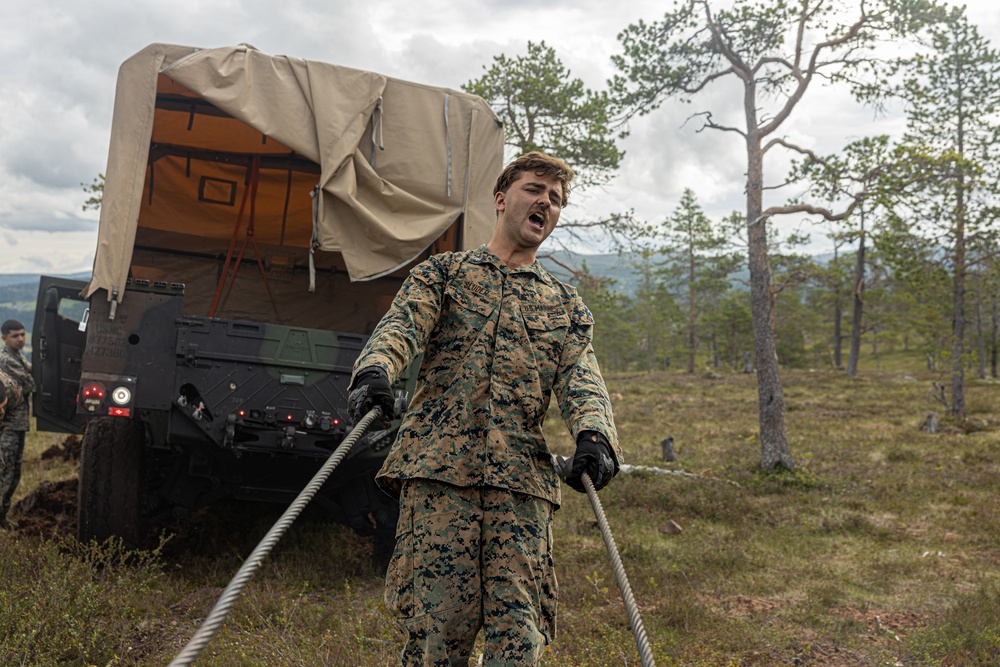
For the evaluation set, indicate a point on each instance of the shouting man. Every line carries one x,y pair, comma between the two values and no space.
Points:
474,476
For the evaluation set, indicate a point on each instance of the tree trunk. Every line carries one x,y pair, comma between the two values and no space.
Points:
691,338
692,310
993,340
838,338
958,311
838,357
858,302
878,359
980,333
775,451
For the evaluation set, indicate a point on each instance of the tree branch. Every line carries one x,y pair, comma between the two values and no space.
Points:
804,80
709,123
812,210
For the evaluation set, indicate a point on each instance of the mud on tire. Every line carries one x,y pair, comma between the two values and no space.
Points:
111,474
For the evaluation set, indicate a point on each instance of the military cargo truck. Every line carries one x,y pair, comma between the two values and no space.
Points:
259,214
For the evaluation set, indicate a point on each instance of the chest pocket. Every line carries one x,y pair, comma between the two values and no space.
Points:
547,331
465,316
468,299
546,321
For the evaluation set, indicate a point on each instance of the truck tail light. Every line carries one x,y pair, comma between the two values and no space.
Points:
93,390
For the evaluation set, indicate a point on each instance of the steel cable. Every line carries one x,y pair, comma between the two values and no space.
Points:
214,620
631,608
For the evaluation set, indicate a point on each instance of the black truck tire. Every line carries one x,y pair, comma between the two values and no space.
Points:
111,473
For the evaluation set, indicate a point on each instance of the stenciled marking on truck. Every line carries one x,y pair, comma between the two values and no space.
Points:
106,340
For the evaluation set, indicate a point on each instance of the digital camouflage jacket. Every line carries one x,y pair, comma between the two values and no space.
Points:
14,364
14,399
496,343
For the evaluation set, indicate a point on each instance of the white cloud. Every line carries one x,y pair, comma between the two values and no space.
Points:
61,60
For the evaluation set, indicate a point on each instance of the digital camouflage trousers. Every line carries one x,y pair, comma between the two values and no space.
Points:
11,453
470,559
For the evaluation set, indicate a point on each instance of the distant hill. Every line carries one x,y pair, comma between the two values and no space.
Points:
32,278
621,268
614,266
19,291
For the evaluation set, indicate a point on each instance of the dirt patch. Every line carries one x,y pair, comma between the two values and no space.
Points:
745,605
68,450
884,634
828,655
51,508
48,510
879,633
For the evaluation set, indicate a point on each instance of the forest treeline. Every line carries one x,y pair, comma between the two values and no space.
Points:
685,306
913,215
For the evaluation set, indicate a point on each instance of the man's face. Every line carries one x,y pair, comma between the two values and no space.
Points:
530,209
14,339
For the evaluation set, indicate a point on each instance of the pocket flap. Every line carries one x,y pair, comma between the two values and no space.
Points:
542,320
467,297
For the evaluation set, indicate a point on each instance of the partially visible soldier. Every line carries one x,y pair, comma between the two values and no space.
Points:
19,384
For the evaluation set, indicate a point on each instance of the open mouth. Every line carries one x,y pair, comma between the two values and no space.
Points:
538,220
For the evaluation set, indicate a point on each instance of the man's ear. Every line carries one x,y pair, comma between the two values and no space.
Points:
500,200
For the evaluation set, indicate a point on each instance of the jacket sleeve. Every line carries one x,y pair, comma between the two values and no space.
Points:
403,332
15,398
579,387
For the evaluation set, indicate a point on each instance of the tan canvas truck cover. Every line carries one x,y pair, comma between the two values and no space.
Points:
236,172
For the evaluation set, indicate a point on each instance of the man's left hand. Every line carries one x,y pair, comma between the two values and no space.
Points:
593,456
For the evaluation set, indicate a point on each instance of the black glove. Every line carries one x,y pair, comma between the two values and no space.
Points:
595,457
371,389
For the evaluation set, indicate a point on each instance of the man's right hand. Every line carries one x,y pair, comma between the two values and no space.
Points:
371,389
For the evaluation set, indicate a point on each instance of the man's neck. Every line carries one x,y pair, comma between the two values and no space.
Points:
513,258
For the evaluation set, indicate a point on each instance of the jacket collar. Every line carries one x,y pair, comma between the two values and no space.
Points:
482,255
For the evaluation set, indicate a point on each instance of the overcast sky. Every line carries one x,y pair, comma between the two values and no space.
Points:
61,59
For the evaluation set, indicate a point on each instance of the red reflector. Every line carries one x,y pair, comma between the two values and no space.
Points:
86,392
119,412
243,413
289,418
336,422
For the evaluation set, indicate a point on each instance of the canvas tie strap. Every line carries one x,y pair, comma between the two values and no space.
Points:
254,166
314,241
247,239
377,139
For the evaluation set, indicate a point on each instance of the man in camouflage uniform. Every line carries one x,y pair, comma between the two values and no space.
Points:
471,468
15,424
10,399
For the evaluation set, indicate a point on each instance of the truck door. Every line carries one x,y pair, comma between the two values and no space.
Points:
57,343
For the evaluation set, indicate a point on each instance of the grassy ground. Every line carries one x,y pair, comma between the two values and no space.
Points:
880,549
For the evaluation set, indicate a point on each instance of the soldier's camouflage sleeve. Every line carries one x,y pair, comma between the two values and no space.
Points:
15,398
579,387
14,365
402,333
